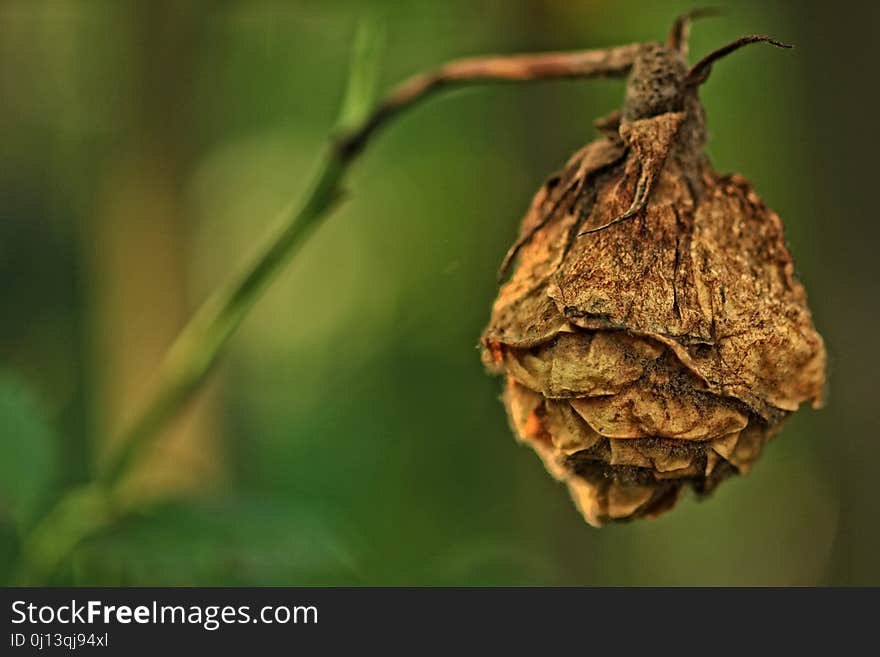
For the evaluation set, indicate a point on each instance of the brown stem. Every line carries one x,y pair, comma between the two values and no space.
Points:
678,35
607,63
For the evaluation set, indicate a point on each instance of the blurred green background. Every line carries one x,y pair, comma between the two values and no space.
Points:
350,435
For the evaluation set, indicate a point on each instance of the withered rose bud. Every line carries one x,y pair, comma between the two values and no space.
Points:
653,335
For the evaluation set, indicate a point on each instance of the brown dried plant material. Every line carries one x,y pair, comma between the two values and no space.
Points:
653,334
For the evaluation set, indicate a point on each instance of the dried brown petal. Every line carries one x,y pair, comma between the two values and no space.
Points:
568,431
582,363
644,410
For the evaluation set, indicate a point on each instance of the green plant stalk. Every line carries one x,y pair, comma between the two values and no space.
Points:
82,511
196,350
188,362
79,513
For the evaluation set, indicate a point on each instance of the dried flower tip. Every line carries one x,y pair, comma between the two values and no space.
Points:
653,336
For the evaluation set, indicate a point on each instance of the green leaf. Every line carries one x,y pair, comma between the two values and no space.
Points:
231,541
27,452
360,95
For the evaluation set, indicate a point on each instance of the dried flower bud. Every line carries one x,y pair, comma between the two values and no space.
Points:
653,334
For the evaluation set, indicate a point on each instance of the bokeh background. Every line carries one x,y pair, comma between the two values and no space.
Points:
350,435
